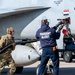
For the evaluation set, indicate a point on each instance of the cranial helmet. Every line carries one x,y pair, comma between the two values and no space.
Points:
45,21
10,30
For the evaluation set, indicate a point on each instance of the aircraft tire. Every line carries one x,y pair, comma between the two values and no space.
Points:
18,70
67,56
45,72
50,70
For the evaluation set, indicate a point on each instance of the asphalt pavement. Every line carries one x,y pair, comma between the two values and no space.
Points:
65,69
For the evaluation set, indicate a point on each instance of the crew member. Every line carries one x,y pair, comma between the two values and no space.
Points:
6,58
47,37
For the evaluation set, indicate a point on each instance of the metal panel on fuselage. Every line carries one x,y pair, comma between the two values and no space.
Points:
18,21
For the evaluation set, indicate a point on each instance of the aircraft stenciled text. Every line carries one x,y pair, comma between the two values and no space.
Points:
58,2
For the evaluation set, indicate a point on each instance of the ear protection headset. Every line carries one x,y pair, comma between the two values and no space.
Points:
45,22
9,30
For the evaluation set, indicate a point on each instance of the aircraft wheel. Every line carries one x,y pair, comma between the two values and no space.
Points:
67,56
19,70
44,73
49,69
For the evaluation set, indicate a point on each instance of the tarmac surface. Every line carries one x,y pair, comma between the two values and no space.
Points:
65,69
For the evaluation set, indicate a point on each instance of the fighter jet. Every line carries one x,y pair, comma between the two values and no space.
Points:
25,17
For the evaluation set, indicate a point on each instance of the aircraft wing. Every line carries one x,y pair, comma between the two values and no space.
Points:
8,12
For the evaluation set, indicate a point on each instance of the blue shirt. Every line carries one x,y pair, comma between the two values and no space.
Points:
47,36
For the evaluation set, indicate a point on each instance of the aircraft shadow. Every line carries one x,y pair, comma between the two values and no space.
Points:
67,71
26,71
32,71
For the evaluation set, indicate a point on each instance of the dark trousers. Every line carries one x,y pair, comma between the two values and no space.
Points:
46,55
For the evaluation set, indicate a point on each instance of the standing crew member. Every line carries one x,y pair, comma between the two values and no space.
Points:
6,58
47,37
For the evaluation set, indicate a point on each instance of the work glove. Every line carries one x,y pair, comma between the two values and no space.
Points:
13,45
60,28
57,25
